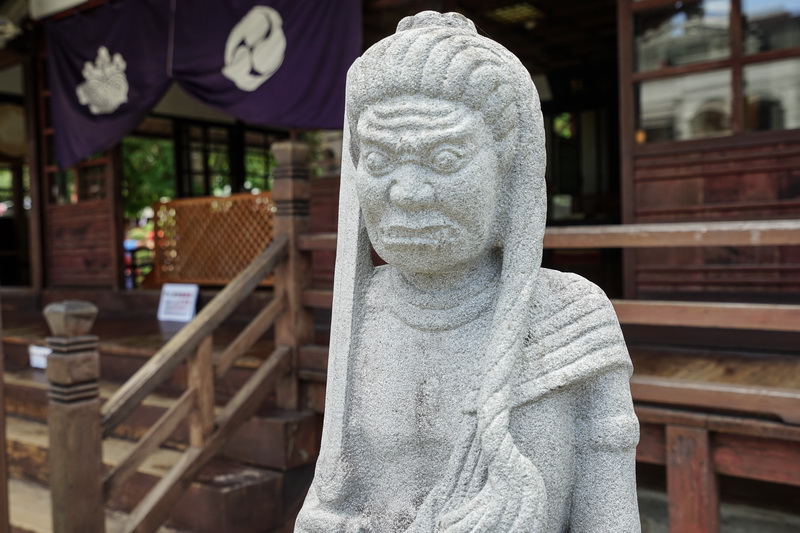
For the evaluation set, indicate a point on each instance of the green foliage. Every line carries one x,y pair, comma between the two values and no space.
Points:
258,166
6,185
148,167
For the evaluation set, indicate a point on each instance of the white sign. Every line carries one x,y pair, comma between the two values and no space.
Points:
37,355
178,302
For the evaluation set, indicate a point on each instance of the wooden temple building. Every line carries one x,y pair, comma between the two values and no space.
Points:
673,134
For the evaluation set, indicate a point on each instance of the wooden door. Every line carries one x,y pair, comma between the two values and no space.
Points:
81,209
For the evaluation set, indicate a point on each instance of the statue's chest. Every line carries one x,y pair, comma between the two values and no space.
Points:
412,385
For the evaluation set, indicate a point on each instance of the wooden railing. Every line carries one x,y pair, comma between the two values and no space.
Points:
694,447
78,423
4,502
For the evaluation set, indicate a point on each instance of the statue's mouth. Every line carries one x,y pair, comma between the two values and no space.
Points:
423,235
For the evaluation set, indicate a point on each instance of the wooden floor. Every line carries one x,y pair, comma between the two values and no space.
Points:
718,366
30,510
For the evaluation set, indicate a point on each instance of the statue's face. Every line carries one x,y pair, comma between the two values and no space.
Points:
428,183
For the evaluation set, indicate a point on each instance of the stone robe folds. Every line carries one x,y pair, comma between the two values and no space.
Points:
409,413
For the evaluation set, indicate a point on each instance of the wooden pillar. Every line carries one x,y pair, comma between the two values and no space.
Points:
291,192
73,418
691,482
4,524
201,380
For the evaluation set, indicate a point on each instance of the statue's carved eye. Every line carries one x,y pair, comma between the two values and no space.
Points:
377,162
446,160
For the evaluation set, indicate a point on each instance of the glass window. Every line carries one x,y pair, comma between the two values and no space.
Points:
92,180
681,34
208,161
772,95
684,107
770,25
62,187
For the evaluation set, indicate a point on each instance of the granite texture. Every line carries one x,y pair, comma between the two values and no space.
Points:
469,390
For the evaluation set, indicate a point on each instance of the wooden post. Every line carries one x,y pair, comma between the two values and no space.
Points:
291,192
4,524
691,482
201,380
73,418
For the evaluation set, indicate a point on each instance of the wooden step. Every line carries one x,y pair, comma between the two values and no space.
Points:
226,497
30,509
278,440
122,354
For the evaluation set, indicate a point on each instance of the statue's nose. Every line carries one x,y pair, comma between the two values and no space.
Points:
410,190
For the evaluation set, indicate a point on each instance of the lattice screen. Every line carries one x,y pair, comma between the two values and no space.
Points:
209,240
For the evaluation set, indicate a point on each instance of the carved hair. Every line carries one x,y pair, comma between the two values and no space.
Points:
439,56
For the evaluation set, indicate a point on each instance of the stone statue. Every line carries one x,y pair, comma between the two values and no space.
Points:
469,389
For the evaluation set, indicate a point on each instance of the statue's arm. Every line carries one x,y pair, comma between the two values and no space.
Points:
604,497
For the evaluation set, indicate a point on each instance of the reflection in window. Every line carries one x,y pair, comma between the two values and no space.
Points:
258,162
687,32
772,93
62,187
770,25
208,161
685,107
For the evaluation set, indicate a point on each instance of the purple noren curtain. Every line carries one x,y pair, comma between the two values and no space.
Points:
278,63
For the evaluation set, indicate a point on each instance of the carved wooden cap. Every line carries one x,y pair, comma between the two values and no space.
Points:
70,318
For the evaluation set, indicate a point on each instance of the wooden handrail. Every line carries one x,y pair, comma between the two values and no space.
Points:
663,235
155,437
783,403
4,503
153,509
314,242
152,373
255,329
676,234
767,317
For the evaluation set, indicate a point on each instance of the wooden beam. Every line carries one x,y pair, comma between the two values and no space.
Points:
4,524
764,317
691,483
771,460
783,403
200,379
666,235
317,241
186,341
694,234
717,423
318,298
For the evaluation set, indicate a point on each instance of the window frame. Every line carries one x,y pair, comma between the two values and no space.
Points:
736,63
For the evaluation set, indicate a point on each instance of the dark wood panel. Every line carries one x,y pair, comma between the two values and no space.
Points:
652,444
773,460
693,156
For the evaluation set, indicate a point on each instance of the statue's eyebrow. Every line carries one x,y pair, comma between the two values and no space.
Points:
397,142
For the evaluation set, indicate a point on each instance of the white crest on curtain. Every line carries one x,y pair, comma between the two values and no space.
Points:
106,86
255,48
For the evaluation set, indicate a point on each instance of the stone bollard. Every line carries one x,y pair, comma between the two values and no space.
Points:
73,419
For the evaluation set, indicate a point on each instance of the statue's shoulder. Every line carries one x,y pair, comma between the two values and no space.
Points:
556,290
573,335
